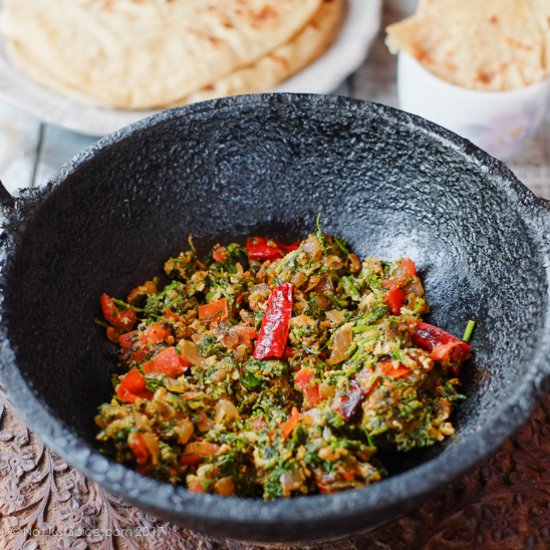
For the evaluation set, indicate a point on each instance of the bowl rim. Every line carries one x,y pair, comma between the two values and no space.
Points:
514,93
301,517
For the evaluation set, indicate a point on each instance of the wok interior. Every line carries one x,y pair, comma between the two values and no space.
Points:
386,186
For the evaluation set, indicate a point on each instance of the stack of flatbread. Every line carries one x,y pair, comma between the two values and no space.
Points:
492,45
141,54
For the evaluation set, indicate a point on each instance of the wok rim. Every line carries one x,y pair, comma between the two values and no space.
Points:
254,519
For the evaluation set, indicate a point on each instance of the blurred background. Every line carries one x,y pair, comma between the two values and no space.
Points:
35,141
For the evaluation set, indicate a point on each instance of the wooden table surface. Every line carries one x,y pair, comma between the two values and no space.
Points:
504,503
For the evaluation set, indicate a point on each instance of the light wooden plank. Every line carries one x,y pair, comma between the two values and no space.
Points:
19,142
532,165
376,79
343,89
57,147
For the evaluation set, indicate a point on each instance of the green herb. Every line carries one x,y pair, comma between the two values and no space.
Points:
319,232
468,331
126,305
341,246
101,323
349,288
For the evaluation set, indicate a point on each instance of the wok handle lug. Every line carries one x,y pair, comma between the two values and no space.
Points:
7,200
542,385
545,204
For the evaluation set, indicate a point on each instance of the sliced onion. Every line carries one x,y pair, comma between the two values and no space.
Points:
190,352
218,376
225,410
152,444
321,301
342,341
312,247
201,448
230,340
298,279
415,287
184,430
335,316
289,482
204,424
224,486
312,416
325,283
326,390
354,263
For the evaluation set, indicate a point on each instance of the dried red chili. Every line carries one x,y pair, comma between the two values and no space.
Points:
260,248
273,335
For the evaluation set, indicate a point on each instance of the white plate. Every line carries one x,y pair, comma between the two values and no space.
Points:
344,57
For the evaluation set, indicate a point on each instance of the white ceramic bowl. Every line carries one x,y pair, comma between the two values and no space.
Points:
501,123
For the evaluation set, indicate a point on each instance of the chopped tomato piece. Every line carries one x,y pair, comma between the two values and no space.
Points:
113,335
132,386
441,345
245,333
303,377
169,314
190,460
201,448
154,334
139,355
215,311
402,277
408,267
121,318
394,299
452,354
168,361
388,368
348,476
289,352
125,340
219,254
290,424
303,382
260,248
137,444
372,387
133,381
312,397
196,487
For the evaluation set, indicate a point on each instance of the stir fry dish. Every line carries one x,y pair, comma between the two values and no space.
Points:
276,370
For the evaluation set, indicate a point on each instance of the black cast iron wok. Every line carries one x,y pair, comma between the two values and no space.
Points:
390,183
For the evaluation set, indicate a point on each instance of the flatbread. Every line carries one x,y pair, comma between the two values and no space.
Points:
481,44
283,61
137,54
